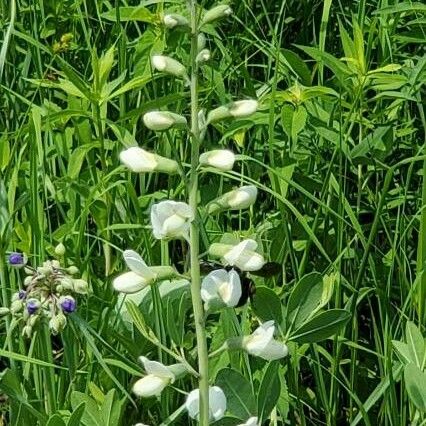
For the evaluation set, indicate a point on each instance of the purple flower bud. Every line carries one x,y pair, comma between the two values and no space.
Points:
32,306
17,259
22,294
68,304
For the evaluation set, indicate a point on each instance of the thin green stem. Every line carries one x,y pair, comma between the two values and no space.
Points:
194,230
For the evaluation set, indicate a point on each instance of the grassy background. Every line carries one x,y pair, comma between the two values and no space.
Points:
336,149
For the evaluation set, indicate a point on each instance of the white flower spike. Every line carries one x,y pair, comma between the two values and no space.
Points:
171,219
163,120
261,343
221,288
140,161
252,421
158,377
242,255
217,403
221,159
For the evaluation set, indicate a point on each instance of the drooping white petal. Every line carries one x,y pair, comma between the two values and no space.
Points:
244,257
217,403
252,421
222,159
232,291
136,264
138,160
158,120
156,368
242,198
129,282
275,350
243,108
150,385
192,403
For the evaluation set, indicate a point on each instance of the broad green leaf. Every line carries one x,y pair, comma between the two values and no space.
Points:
416,344
91,415
75,418
403,351
269,391
238,391
136,13
304,299
321,326
415,382
298,66
55,420
267,305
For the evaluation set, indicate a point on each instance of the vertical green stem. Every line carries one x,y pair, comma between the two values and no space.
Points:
45,347
194,230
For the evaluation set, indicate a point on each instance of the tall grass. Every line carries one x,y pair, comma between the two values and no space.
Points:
337,151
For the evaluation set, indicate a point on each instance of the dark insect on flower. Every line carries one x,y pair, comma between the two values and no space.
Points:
248,288
68,304
17,259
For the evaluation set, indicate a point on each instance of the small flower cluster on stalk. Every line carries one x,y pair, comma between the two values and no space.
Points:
49,293
172,219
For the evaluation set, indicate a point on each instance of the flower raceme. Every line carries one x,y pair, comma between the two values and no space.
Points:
217,403
140,161
221,288
261,343
237,199
158,377
243,255
221,159
163,120
140,275
171,219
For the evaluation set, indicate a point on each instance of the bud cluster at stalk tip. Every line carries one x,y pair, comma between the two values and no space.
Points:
49,293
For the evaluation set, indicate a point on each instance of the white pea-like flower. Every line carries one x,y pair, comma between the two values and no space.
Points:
140,161
171,219
203,56
242,255
222,159
261,343
217,12
172,20
245,108
241,198
158,377
168,65
217,403
252,421
163,120
221,288
139,276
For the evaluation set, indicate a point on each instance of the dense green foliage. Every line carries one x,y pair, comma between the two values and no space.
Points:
336,149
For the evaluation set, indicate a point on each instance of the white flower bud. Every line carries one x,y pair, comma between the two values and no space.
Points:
242,255
27,331
201,42
238,199
203,56
171,219
163,120
80,286
28,280
240,109
4,311
217,12
73,270
261,343
168,65
221,288
252,421
173,20
66,283
159,376
60,249
217,403
221,159
16,306
138,160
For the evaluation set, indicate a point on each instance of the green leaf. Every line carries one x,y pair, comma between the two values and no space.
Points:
416,344
267,305
415,382
238,391
304,299
55,420
136,13
91,415
321,326
298,66
269,391
77,414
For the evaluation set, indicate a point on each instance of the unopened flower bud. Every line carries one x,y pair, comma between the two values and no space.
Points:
60,249
169,65
238,199
59,288
237,109
17,260
27,331
32,320
201,42
203,56
217,12
221,159
68,304
66,283
16,306
33,305
163,120
173,20
81,286
44,270
28,280
138,160
72,270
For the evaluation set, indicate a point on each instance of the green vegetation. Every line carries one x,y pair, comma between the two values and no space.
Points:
336,148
